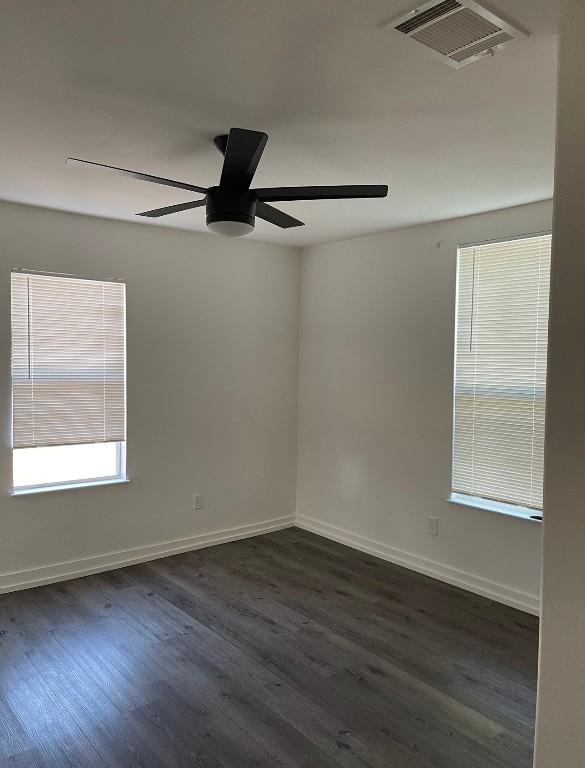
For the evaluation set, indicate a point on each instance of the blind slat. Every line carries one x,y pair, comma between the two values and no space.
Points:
500,370
68,360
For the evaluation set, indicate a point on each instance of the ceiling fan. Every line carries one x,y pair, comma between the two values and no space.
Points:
232,206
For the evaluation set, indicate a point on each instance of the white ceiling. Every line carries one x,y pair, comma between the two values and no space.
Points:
146,84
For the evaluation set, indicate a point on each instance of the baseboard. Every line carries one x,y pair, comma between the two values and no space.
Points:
73,569
469,581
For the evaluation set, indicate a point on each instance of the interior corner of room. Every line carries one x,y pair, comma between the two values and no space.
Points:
310,454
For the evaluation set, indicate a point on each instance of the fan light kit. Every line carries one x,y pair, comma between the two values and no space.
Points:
232,206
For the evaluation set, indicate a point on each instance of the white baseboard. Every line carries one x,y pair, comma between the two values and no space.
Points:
469,581
73,569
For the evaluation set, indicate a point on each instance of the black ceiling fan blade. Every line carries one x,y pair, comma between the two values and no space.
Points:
274,216
273,194
242,155
157,212
138,175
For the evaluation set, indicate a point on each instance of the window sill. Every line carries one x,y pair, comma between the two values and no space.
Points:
68,486
510,510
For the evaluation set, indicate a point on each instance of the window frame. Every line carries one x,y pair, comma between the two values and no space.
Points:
458,498
119,477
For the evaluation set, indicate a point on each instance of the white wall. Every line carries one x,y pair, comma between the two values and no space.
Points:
375,406
212,371
560,732
212,387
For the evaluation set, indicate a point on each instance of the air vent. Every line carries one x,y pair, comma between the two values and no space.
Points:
419,19
456,31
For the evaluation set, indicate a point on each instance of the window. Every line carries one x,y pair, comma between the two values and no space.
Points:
500,371
68,381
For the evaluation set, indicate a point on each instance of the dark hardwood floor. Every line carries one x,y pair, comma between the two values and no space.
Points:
283,650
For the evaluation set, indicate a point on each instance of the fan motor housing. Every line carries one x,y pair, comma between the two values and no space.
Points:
230,205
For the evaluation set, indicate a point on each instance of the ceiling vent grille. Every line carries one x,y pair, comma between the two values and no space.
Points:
424,17
456,31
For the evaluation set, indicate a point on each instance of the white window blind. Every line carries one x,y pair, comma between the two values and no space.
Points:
500,370
68,360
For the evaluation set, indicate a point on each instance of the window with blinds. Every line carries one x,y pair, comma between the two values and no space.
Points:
68,379
500,370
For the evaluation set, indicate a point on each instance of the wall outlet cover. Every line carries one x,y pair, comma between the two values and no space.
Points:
198,501
433,526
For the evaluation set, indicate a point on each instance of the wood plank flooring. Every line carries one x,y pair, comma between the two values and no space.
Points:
283,650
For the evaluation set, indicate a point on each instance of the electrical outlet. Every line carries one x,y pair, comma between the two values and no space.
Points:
198,501
433,526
